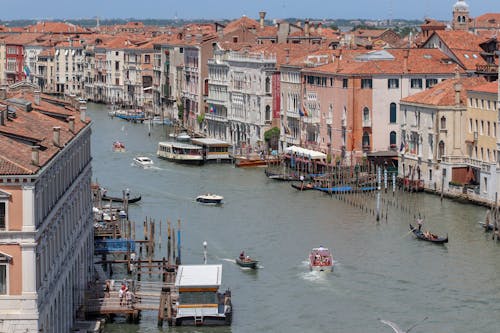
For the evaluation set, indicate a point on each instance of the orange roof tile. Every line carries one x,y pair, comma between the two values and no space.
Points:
490,87
56,27
443,94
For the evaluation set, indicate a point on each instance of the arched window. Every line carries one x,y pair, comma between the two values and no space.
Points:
268,85
366,114
366,140
392,139
441,149
268,113
443,122
392,113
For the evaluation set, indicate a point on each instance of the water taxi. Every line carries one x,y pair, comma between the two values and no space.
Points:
320,259
143,161
118,146
180,152
210,198
200,302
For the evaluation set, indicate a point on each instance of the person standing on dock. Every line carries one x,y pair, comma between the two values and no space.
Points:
121,293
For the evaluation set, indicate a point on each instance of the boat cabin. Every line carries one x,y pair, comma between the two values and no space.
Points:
213,150
199,301
180,152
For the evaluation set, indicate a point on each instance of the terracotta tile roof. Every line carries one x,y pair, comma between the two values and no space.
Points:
56,27
22,39
490,87
15,155
368,33
433,23
443,94
267,31
390,61
243,22
488,20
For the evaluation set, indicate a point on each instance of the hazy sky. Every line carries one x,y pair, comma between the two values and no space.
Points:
218,9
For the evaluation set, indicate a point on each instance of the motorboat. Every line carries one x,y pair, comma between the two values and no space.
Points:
143,161
210,198
246,261
118,146
321,259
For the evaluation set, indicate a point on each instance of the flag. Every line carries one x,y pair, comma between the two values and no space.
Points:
211,109
26,70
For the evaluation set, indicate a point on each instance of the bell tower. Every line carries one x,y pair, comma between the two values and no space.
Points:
461,17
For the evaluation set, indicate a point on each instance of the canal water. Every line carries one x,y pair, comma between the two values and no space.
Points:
381,271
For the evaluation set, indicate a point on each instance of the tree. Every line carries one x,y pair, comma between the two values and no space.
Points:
271,137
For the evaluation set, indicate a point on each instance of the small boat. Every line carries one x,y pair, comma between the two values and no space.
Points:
320,259
428,236
486,226
143,161
303,186
120,199
118,146
247,262
210,198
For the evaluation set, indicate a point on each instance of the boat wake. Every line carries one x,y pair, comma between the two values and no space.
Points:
229,260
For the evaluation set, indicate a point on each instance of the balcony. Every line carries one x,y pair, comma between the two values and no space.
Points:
367,123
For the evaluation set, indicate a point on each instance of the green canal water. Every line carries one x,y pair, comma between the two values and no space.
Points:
381,270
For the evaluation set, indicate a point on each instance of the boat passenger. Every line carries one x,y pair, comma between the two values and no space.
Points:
242,255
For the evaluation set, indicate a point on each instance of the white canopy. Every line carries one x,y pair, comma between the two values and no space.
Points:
307,153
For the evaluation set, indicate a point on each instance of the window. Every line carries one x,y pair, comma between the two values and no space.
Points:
443,122
366,114
393,83
345,83
268,85
366,83
268,113
366,141
3,279
441,149
147,58
117,81
392,113
392,140
429,83
116,53
117,65
416,83
3,222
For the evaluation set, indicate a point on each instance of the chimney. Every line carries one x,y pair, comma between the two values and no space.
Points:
56,139
262,16
406,55
35,155
37,97
83,111
320,28
458,89
3,93
306,28
3,114
71,121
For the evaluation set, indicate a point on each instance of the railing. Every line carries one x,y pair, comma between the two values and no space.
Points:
259,57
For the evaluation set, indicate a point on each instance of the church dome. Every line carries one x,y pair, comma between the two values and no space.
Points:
461,5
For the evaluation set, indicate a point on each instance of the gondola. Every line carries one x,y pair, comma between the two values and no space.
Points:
434,239
118,199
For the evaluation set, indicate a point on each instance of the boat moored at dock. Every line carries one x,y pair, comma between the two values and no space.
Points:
200,303
180,152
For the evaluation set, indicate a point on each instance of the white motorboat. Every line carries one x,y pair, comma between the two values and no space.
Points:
321,259
143,161
210,198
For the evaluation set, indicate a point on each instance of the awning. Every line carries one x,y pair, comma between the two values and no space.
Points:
307,153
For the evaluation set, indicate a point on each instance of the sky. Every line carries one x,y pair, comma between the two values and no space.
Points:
230,9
